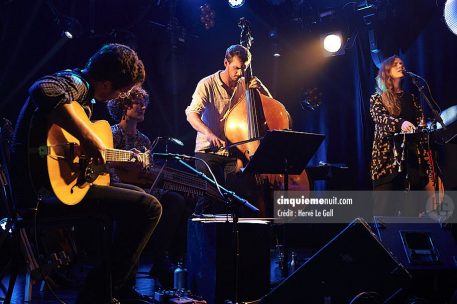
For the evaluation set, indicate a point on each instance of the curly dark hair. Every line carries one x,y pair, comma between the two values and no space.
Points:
116,63
117,107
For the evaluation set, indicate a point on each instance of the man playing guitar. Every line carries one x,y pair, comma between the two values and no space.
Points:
54,104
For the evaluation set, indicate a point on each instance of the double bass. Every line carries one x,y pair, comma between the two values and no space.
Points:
251,116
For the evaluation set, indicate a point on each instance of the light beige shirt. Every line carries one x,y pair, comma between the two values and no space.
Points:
211,101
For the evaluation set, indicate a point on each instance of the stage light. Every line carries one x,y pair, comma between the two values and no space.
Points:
273,35
450,15
3,223
275,49
69,27
236,3
68,34
333,42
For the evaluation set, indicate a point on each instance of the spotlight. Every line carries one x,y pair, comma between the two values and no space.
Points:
273,35
3,224
450,15
236,3
68,34
275,49
332,43
71,27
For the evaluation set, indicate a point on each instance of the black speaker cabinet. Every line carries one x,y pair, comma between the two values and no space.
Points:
351,263
418,243
210,259
427,249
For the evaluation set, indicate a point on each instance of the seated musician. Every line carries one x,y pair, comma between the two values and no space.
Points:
168,241
111,72
393,110
210,104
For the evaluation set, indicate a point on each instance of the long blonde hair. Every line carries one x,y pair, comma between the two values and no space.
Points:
385,87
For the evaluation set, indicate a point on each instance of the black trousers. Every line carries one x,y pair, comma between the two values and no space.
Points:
388,198
134,214
169,238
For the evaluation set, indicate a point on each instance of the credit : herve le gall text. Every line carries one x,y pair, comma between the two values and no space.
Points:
304,213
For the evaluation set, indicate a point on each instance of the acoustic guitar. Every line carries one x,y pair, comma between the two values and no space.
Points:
70,173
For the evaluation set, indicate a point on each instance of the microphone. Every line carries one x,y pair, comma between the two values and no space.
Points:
171,156
411,74
175,141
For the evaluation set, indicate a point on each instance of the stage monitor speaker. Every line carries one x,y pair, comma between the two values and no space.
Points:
210,259
418,243
427,249
351,263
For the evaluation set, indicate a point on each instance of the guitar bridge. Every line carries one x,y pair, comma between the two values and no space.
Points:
89,175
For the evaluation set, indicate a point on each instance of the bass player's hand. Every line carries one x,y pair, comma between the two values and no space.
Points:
214,140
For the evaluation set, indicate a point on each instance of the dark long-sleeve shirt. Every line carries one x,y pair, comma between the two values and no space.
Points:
45,94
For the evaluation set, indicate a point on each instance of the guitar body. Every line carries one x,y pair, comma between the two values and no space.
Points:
70,176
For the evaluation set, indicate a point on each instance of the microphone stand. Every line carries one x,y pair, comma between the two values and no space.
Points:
163,166
436,119
230,196
166,145
436,116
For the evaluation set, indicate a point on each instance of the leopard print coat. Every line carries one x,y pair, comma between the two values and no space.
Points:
385,160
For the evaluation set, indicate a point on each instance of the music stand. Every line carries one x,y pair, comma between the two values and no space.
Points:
284,152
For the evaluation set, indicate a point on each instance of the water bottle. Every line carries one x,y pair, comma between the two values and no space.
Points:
293,262
282,260
180,277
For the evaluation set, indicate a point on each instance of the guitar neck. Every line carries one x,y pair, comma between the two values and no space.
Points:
116,155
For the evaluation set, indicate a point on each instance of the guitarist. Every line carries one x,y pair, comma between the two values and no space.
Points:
168,241
110,73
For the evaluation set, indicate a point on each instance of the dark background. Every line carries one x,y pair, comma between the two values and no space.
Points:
178,51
